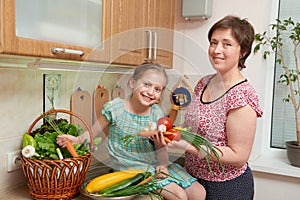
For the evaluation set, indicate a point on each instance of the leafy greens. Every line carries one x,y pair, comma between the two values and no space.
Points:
46,135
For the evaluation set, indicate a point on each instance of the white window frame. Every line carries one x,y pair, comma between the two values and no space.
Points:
264,158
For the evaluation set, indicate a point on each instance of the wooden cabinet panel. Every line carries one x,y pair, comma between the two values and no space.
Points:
142,30
127,18
10,43
163,20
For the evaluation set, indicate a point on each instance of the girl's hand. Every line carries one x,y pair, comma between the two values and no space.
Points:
163,169
61,140
158,139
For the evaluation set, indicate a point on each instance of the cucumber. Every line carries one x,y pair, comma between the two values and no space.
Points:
129,190
123,184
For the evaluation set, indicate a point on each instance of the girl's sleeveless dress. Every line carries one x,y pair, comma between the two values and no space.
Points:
140,153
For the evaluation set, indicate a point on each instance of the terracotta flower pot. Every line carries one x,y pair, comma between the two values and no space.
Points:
293,153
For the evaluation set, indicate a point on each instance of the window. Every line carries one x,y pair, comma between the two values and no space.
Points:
283,122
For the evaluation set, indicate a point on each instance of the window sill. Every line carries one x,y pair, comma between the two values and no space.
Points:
275,163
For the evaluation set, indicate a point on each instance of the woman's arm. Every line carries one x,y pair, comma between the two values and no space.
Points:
240,130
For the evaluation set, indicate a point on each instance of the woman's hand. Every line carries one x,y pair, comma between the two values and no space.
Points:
61,140
187,147
181,144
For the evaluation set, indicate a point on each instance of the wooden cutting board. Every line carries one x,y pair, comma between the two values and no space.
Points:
101,96
81,104
118,92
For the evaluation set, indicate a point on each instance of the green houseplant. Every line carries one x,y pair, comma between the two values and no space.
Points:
287,38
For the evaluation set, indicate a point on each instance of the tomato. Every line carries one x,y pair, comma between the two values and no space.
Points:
173,134
165,121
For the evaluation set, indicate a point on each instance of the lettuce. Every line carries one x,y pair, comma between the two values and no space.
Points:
46,135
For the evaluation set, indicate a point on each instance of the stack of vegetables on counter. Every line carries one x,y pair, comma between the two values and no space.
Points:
170,133
123,183
41,143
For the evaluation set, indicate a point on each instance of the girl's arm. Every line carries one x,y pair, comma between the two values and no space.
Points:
162,157
100,124
97,130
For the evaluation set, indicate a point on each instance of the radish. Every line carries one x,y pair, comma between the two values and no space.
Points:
164,124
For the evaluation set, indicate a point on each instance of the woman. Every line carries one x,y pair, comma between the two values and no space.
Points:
224,110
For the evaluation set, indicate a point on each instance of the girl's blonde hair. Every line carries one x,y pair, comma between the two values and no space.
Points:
141,69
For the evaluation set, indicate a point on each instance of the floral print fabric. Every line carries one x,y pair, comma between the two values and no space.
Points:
208,119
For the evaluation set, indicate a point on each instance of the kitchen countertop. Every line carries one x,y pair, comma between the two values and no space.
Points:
23,194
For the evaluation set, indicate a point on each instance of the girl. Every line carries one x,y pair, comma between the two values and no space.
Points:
126,117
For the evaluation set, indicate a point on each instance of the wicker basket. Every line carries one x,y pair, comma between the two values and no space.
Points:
56,179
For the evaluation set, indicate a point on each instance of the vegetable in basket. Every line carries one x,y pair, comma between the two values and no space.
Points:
43,140
28,140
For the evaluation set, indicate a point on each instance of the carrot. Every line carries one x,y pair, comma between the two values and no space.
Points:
148,179
71,149
167,133
147,133
167,140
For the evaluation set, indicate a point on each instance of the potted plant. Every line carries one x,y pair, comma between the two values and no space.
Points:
287,38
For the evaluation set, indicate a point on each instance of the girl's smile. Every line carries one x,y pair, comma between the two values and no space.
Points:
147,89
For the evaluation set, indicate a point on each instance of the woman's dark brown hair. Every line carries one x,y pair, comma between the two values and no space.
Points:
241,30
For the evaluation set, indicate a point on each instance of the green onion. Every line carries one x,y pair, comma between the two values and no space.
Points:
198,141
59,153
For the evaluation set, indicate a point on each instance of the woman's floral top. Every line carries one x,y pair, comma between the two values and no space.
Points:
208,119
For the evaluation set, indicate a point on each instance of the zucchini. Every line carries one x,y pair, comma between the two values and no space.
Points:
107,180
123,184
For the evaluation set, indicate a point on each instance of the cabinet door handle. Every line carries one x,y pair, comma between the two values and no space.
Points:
155,45
149,46
69,51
